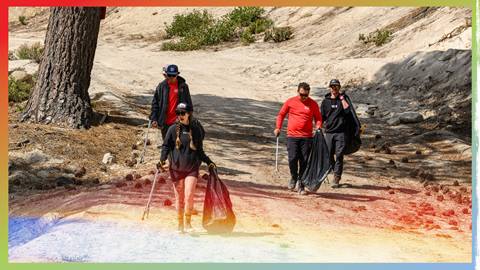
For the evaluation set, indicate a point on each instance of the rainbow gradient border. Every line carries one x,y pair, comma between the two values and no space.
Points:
4,4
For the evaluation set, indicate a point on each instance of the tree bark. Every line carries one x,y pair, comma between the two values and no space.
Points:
60,95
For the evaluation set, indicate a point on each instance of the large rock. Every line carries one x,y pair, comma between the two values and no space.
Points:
410,117
108,158
393,121
28,66
20,75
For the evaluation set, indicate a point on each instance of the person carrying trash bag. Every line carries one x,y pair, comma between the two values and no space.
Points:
301,110
183,145
340,121
168,94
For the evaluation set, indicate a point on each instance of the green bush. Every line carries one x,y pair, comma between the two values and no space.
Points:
279,34
34,52
188,43
18,91
184,24
198,29
247,37
378,37
244,16
22,20
222,31
260,26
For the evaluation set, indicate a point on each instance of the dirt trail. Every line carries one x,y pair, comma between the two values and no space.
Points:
384,214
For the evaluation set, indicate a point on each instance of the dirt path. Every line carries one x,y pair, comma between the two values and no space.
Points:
383,215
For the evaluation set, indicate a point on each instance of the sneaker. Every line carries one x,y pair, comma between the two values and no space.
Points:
301,189
292,184
336,181
189,228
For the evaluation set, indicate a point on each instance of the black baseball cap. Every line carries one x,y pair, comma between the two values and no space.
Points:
171,70
334,82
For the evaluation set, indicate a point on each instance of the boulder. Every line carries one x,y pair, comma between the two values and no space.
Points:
410,117
29,66
20,75
393,121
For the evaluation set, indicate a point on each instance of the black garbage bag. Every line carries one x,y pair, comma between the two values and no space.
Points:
218,216
352,130
318,163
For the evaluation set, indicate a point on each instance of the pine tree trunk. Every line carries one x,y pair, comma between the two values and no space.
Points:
60,95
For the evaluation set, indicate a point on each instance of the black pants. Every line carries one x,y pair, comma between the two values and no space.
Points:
298,151
336,147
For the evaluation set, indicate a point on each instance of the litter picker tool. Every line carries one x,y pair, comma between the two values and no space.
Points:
140,160
146,211
276,156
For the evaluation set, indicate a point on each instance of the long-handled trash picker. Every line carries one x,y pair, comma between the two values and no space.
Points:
146,211
276,156
140,160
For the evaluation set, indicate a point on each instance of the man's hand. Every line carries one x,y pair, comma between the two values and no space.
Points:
276,132
154,124
344,101
212,165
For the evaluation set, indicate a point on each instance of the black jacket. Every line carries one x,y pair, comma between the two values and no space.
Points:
160,99
185,159
333,114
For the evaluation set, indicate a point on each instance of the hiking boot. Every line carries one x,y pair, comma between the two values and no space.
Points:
292,184
336,181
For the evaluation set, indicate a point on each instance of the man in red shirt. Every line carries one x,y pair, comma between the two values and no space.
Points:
301,111
168,94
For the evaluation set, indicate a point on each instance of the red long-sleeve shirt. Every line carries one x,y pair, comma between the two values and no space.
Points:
300,117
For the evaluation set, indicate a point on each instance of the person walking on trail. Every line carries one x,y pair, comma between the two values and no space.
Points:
334,108
168,94
301,110
183,146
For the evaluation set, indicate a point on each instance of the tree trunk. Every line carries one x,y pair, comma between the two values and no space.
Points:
60,95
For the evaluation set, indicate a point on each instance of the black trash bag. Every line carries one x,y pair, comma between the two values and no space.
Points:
318,163
352,130
218,216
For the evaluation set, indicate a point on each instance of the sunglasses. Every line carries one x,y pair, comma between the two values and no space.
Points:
171,75
181,113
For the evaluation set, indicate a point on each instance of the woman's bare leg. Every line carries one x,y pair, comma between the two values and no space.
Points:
179,190
190,185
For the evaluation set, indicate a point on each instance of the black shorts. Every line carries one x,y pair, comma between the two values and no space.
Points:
177,175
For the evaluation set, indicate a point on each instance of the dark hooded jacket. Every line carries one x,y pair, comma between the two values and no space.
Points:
333,114
160,99
184,158
336,119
